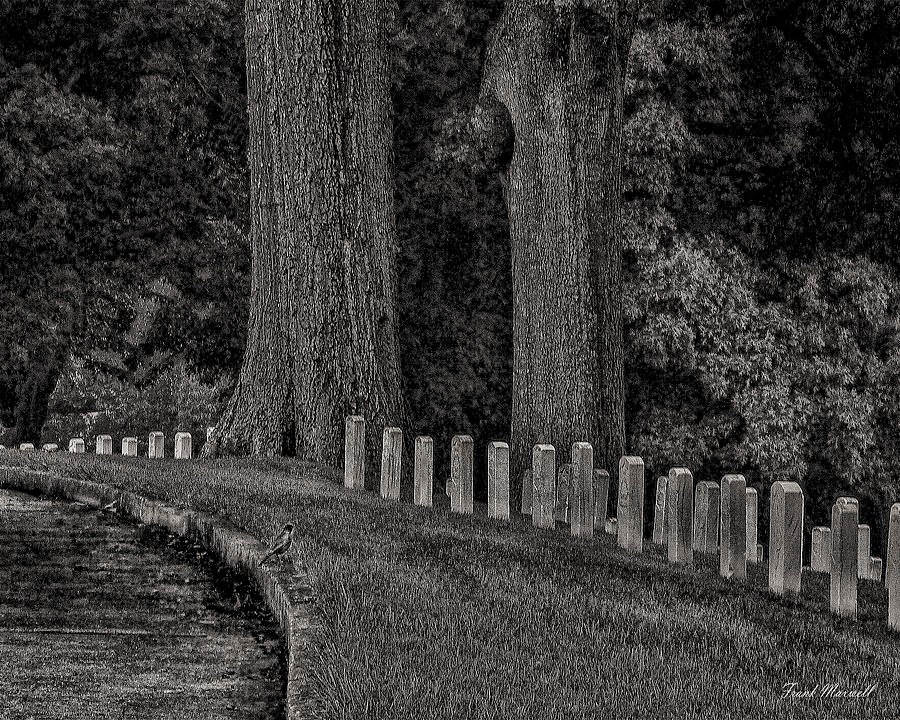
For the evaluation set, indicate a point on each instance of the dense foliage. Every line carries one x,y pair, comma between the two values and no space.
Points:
761,210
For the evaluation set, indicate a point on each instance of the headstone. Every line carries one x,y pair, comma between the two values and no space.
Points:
820,554
563,483
863,551
130,447
183,446
706,517
892,568
391,457
76,445
462,462
785,538
760,554
104,445
498,481
752,525
659,512
875,569
844,539
26,447
209,433
543,498
355,452
679,515
601,499
423,471
156,446
611,526
733,528
581,510
50,447
527,491
630,505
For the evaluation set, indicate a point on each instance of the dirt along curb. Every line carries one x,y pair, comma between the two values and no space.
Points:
288,600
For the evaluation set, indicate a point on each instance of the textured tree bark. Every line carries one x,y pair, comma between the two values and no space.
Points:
322,337
554,81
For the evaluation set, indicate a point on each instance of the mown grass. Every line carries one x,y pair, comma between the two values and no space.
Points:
432,615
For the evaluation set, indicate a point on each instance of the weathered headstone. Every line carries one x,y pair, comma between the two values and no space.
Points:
462,467
76,445
733,528
26,447
391,462
875,568
601,499
752,525
630,505
156,445
423,471
892,568
498,480
659,512
820,554
844,540
581,510
563,488
785,538
611,527
706,517
527,491
104,445
679,515
130,447
50,447
760,554
543,499
183,446
355,452
863,551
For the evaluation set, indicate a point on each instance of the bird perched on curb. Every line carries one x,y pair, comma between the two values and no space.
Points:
281,544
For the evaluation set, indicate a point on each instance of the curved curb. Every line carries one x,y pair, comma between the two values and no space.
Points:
239,550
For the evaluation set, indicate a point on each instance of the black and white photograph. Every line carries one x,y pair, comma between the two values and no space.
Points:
449,359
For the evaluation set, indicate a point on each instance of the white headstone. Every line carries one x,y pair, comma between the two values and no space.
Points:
355,452
156,445
601,498
50,447
26,447
498,480
563,483
863,551
130,447
679,515
423,471
581,508
706,518
733,528
785,538
630,505
892,568
104,445
183,443
462,470
659,512
76,445
844,540
752,524
820,554
543,499
391,458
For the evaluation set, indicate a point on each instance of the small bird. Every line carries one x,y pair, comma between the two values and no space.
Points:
281,544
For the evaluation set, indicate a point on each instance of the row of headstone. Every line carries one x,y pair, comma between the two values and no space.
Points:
104,446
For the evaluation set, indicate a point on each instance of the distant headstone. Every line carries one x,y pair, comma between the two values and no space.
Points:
355,452
581,509
50,447
423,471
630,506
543,499
527,491
679,515
820,555
156,446
391,458
76,445
601,499
875,567
130,447
892,568
209,433
706,517
785,538
563,487
611,526
462,463
844,540
659,512
104,445
498,481
752,524
733,528
183,446
760,554
863,551
26,447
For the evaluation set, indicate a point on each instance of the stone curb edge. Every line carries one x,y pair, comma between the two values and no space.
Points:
239,550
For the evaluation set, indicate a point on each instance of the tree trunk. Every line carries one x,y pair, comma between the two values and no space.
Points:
555,78
46,364
322,336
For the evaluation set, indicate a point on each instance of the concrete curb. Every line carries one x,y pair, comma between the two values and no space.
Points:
287,599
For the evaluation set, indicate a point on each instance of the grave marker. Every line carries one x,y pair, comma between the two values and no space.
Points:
581,511
26,447
752,525
892,569
844,573
875,569
863,551
423,471
183,446
156,447
679,515
785,538
498,481
820,555
706,517
355,452
104,445
130,447
462,462
601,498
50,447
391,462
659,512
76,446
630,506
543,499
733,528
563,488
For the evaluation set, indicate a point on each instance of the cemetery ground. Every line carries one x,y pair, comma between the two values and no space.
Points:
428,614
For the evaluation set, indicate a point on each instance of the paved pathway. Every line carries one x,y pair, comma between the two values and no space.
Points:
101,618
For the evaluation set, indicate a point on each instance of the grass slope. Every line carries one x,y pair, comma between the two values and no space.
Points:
432,615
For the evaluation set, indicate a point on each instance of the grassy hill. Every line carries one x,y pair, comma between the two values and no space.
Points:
433,615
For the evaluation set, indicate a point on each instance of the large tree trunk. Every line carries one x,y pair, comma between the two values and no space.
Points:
555,77
322,337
